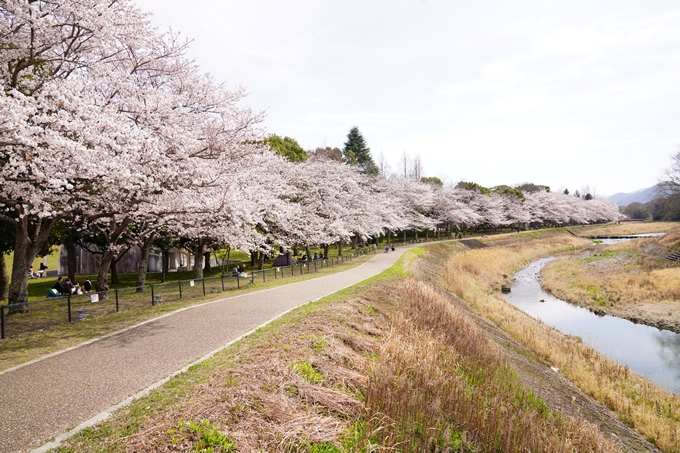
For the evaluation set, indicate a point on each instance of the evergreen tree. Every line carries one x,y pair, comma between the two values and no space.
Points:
356,151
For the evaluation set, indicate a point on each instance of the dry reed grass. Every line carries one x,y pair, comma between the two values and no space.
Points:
653,411
441,385
672,239
615,278
625,229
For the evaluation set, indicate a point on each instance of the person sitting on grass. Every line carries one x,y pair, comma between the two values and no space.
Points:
87,285
59,287
69,288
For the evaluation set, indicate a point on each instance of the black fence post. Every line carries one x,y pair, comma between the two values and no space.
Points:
2,321
179,283
203,283
116,291
69,308
238,281
222,277
252,278
264,275
153,299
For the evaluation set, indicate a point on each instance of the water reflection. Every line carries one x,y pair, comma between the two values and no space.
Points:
646,350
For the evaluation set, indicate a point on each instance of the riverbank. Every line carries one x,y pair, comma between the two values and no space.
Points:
476,277
632,280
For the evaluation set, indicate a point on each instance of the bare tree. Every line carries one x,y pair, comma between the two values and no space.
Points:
404,161
669,186
416,167
383,165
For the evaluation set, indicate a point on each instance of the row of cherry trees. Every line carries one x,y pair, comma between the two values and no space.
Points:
111,133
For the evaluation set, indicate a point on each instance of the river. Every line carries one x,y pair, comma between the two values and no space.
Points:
650,352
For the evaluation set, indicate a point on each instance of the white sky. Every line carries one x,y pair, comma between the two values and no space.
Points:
567,94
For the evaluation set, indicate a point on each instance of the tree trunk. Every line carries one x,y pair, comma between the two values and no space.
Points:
144,262
295,250
253,259
71,255
198,260
25,250
114,271
107,258
388,237
326,247
102,277
340,247
260,261
354,242
404,236
208,264
4,277
427,235
415,235
308,250
166,265
289,257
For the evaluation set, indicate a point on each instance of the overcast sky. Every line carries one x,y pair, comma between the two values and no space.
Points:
566,94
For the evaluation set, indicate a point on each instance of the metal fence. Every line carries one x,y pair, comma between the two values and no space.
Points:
54,311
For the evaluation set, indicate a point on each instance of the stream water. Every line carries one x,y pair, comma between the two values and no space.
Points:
650,352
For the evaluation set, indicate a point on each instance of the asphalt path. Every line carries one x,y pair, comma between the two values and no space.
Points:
44,399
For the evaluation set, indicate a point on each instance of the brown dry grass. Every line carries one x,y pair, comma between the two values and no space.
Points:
629,279
672,239
442,385
475,275
625,229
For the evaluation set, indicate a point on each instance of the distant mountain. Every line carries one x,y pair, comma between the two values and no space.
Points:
640,196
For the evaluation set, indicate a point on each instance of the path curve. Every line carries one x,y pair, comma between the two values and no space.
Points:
45,398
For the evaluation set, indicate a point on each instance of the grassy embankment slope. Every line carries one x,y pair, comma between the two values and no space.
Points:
395,363
631,279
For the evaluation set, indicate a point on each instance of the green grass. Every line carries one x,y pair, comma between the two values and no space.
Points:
307,372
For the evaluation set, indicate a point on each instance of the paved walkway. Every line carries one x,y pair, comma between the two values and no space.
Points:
42,400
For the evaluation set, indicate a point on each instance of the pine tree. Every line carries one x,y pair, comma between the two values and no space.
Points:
356,150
